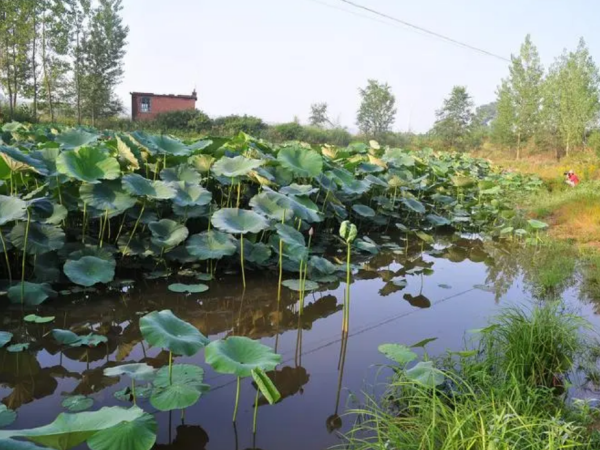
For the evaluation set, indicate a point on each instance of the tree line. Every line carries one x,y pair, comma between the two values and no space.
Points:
65,56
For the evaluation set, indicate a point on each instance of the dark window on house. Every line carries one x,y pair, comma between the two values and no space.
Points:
145,104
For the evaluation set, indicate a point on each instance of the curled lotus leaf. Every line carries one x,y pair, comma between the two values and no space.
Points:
211,244
41,238
11,209
106,196
235,167
136,184
239,221
165,330
202,163
89,164
167,233
75,138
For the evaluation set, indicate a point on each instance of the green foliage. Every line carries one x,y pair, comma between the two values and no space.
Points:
454,120
377,109
318,115
191,120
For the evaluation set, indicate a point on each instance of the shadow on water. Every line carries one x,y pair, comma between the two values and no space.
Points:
399,295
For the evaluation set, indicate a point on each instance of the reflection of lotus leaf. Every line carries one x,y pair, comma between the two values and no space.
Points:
235,220
11,208
167,233
90,270
33,293
212,244
165,330
420,301
301,161
238,355
7,416
11,444
5,338
181,391
89,164
138,185
235,167
296,285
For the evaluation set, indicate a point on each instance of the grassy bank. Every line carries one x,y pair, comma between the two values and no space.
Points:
508,391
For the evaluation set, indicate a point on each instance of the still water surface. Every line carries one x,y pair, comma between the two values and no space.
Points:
456,285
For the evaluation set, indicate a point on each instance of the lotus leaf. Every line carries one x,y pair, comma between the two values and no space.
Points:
398,158
425,237
348,182
65,337
7,416
190,195
265,385
537,224
426,374
167,233
138,434
180,173
300,161
291,236
238,355
89,164
298,189
135,371
235,220
437,221
212,244
275,207
462,181
235,167
75,138
296,285
189,288
165,330
138,185
106,196
5,338
163,145
257,253
40,238
398,353
181,390
77,403
414,205
202,163
11,209
11,444
90,270
348,231
302,207
363,210
17,348
17,161
34,318
127,154
34,294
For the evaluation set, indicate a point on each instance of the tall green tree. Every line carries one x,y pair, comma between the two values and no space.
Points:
455,118
377,109
318,115
503,126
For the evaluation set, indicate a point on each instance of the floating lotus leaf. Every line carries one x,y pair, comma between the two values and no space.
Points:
163,145
181,391
179,173
5,338
235,167
89,164
34,294
426,374
34,318
40,238
77,403
71,339
17,161
398,353
239,221
165,330
191,195
212,244
413,204
300,161
188,288
202,163
75,138
238,355
275,207
106,196
436,220
135,371
11,208
7,416
90,270
138,185
65,337
363,210
70,430
265,385
296,285
299,189
167,233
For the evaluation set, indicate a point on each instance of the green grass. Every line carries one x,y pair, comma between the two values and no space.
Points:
501,397
549,268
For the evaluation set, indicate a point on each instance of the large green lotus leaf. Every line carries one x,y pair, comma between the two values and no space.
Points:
90,270
7,416
5,338
436,220
212,244
135,371
138,185
235,220
17,161
165,330
257,253
11,208
363,210
425,374
33,293
414,205
76,138
398,353
303,207
301,161
238,355
398,158
191,194
275,207
265,385
188,288
167,233
11,444
70,430
9,127
89,164
183,172
106,196
348,182
235,167
181,390
164,145
65,337
292,237
138,434
59,214
40,238
299,189
322,265
202,163
77,403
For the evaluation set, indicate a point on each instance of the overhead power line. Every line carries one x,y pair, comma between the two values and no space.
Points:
416,28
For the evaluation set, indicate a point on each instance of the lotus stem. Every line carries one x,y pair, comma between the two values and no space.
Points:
346,314
84,225
237,399
58,191
280,262
137,222
303,278
239,192
242,260
133,391
255,411
120,228
24,257
170,367
6,257
103,228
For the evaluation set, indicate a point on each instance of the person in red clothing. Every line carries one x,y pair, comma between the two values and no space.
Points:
572,179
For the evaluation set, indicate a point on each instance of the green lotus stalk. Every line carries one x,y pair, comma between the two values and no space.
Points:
239,192
103,228
280,262
170,367
348,233
84,225
24,257
6,256
303,278
237,399
133,391
58,191
137,222
242,260
255,411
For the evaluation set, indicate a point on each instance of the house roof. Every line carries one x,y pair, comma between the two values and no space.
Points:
150,94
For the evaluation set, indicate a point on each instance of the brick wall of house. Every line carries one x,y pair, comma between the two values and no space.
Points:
160,104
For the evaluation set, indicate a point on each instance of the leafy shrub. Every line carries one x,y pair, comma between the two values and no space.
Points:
233,124
185,120
291,131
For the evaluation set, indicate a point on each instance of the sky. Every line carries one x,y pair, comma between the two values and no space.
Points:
274,58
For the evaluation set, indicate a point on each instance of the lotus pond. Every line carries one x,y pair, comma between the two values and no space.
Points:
199,289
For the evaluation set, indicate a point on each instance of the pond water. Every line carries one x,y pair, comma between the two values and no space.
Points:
453,286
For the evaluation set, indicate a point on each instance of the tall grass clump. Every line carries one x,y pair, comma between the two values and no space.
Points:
501,395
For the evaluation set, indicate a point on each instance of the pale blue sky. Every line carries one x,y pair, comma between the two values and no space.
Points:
273,58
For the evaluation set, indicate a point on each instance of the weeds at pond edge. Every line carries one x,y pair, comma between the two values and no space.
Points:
507,393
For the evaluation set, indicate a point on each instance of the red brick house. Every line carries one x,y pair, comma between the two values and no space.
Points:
145,105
